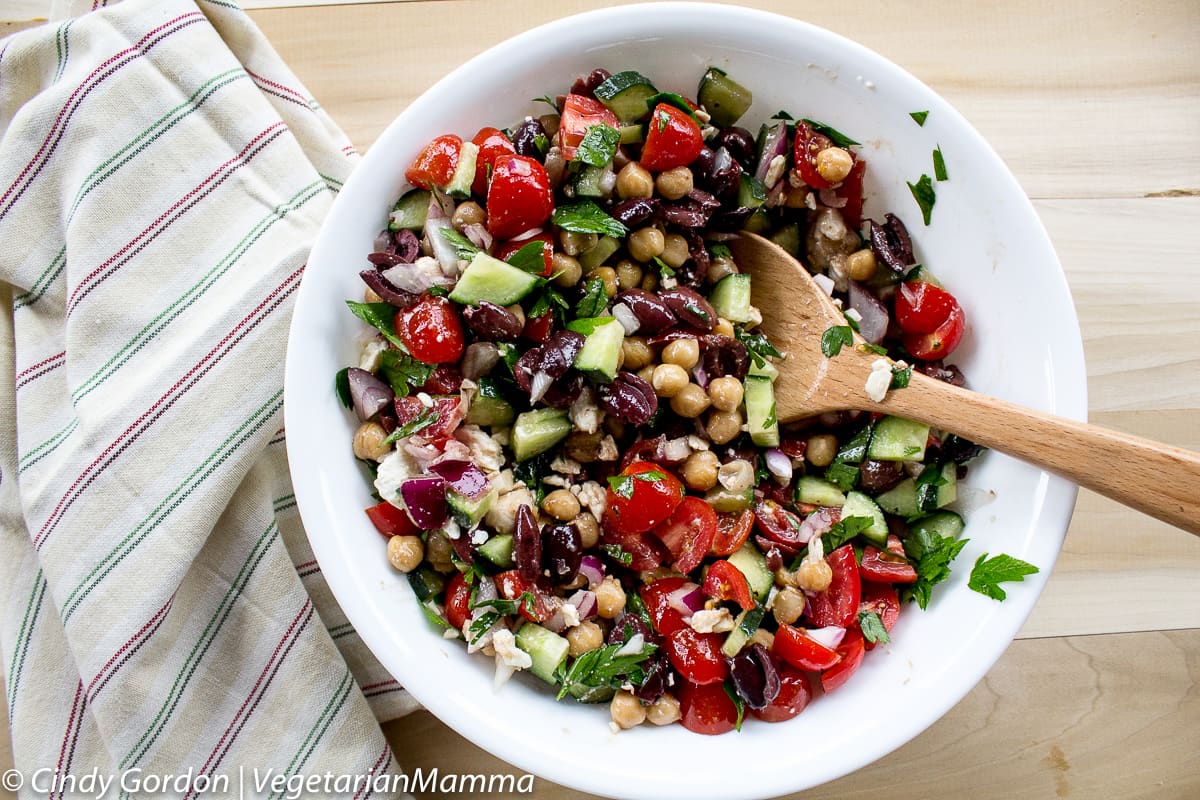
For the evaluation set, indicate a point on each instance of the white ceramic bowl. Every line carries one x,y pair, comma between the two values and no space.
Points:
985,243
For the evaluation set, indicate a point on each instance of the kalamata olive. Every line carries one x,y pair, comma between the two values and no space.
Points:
554,358
879,476
463,549
479,359
635,211
405,245
725,175
725,356
562,552
445,379
386,291
564,391
685,214
587,84
731,219
892,244
740,144
527,544
959,450
691,308
652,313
628,625
493,323
943,372
526,137
755,676
629,398
658,675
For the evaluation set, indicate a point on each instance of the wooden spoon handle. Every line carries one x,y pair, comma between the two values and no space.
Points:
1154,478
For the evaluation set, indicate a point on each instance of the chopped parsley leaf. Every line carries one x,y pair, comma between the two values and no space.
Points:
872,628
738,703
530,258
989,573
341,384
415,426
919,117
461,244
603,668
403,372
922,192
836,136
379,316
834,338
617,553
758,345
587,217
932,554
598,146
900,377
939,164
594,299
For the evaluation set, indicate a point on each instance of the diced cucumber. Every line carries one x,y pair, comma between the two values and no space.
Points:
744,626
859,505
920,272
767,370
721,499
818,492
625,94
723,98
464,173
487,278
751,563
788,237
547,649
498,550
591,694
946,524
854,450
598,253
535,432
761,420
759,222
751,192
898,439
587,182
426,584
467,512
730,298
410,212
601,349
901,499
632,134
490,411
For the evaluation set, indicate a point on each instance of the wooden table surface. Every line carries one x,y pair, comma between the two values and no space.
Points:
1095,106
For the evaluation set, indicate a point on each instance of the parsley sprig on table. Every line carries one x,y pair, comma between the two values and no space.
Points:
989,573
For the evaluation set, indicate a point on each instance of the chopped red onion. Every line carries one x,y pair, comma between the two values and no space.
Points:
608,180
829,198
779,465
539,385
382,241
425,499
701,376
627,318
479,236
416,277
830,636
687,599
592,568
465,478
817,523
774,144
443,251
585,601
874,322
368,394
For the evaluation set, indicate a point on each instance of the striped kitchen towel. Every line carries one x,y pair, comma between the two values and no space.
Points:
162,177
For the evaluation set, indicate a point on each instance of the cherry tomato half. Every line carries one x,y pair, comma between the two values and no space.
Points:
881,599
579,113
940,343
506,250
884,566
448,409
851,190
794,693
733,529
656,597
801,650
644,495
852,649
922,307
808,144
697,656
672,139
431,330
492,143
688,533
837,605
724,581
778,524
518,197
510,585
435,165
458,601
392,521
706,709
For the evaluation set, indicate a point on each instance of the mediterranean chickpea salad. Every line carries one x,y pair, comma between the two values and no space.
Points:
568,408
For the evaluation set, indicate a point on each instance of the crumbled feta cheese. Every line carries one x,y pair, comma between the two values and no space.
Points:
839,272
394,470
675,450
824,282
592,495
502,436
507,651
557,480
853,315
711,620
478,536
502,516
756,318
502,481
570,615
775,171
608,450
485,451
614,727
451,529
372,354
810,201
668,282
585,414
567,466
425,399
879,381
702,115
450,633
795,181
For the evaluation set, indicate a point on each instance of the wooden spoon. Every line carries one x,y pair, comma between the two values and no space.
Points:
1153,478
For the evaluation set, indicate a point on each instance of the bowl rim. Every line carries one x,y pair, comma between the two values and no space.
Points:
1069,397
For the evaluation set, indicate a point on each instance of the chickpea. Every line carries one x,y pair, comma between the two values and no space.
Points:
574,242
674,183
663,711
646,373
821,449
518,312
637,353
589,530
764,637
629,274
723,426
649,281
609,276
814,576
789,605
627,711
405,553
610,598
785,577
468,213
369,442
723,327
646,243
675,251
567,268
684,352
669,380
726,393
369,296
737,475
700,470
719,268
439,551
584,638
690,402
834,164
562,505
634,181
860,265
